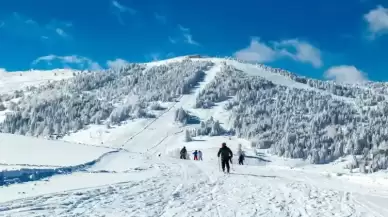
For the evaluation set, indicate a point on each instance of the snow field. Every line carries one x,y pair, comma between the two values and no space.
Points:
24,159
30,151
11,81
171,187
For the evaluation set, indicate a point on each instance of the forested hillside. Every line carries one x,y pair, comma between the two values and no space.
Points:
316,120
102,97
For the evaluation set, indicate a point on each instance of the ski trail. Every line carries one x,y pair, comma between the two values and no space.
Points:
217,205
152,122
187,188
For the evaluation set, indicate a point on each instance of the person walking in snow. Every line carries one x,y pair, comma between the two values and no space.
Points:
195,153
183,153
226,155
199,155
241,158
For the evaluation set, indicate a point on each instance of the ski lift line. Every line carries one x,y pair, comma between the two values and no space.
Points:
101,146
149,124
160,142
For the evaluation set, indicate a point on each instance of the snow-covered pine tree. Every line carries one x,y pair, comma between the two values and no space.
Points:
187,136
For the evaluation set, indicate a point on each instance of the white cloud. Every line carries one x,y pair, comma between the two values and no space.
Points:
117,63
377,20
79,61
188,37
303,51
170,55
119,9
29,21
173,41
155,56
19,25
61,32
162,19
263,52
256,52
183,29
345,74
123,8
68,24
44,58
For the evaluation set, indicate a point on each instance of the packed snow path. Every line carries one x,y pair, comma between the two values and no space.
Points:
137,182
172,187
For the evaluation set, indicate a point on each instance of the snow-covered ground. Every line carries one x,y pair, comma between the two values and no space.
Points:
144,185
26,151
10,81
144,177
24,159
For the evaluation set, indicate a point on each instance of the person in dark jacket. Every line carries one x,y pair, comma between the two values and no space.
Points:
226,155
241,158
183,153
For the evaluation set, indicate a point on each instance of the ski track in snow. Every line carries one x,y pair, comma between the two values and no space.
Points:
135,182
196,189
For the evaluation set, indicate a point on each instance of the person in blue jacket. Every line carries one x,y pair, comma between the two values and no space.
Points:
195,155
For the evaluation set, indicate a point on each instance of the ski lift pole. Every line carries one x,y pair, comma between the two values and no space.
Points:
219,164
231,164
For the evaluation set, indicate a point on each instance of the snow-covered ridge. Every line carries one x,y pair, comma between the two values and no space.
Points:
283,77
18,80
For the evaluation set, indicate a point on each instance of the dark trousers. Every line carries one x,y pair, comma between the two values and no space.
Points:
183,156
241,161
225,162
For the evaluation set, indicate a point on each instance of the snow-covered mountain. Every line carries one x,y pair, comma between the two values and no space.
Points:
293,116
121,133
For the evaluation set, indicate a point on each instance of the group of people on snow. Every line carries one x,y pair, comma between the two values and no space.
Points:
197,154
225,154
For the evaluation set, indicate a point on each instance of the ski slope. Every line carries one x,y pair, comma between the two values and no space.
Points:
145,178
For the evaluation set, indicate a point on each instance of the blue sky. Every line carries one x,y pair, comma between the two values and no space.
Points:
344,40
